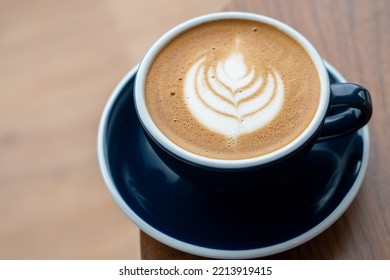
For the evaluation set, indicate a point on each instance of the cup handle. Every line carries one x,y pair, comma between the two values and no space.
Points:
350,109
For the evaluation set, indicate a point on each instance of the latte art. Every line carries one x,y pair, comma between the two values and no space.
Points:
232,89
232,98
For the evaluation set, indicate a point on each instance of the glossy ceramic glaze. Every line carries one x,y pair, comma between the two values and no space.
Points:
267,218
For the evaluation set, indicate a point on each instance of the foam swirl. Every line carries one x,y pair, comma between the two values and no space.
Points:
232,98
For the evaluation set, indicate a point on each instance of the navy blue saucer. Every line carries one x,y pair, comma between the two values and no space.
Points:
303,202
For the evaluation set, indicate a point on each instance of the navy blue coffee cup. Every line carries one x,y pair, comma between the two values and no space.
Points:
343,108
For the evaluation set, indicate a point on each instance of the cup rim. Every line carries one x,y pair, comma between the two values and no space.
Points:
226,164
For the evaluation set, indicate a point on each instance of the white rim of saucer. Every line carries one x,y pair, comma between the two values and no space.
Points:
152,129
217,253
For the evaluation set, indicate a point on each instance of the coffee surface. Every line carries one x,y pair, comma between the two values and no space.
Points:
232,89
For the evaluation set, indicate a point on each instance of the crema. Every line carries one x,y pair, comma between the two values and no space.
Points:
232,89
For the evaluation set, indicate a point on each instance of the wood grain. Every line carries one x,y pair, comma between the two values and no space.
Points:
353,36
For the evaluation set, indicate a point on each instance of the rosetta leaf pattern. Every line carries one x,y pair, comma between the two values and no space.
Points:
232,98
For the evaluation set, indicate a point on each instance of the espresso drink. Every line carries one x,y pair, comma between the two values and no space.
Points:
232,89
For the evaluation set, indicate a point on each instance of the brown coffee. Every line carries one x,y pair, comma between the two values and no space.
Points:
232,89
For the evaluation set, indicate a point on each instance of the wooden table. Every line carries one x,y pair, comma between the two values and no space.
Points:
59,62
353,36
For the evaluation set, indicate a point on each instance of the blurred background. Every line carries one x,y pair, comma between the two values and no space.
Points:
59,62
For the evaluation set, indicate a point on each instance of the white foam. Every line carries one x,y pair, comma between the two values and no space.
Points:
227,99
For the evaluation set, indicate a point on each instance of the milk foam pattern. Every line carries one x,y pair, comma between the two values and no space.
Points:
232,98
